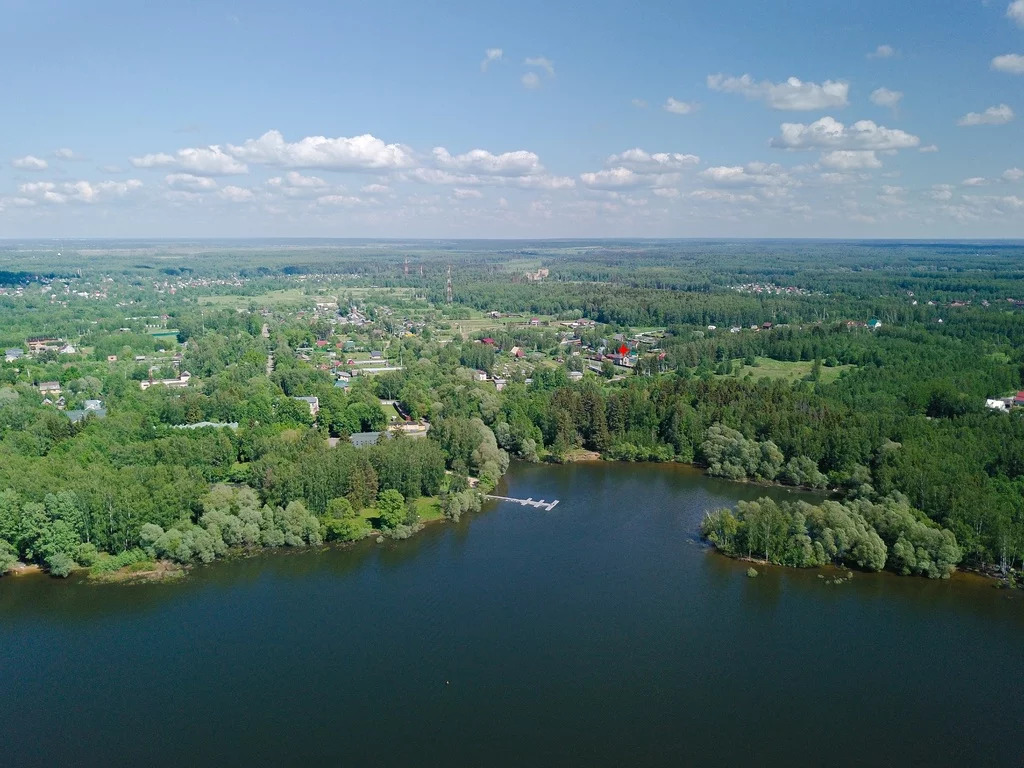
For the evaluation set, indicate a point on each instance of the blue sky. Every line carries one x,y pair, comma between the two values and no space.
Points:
528,119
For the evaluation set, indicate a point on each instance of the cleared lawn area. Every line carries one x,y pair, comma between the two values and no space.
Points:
480,322
788,371
391,412
428,508
289,297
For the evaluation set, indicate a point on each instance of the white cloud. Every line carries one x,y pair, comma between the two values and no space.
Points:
829,133
376,189
975,181
466,194
1013,63
297,180
76,191
669,193
639,103
342,200
941,192
884,97
531,80
624,178
1013,174
480,161
30,163
236,194
1015,11
358,153
793,94
66,154
541,62
850,159
720,195
677,107
749,175
882,52
999,115
929,148
490,55
202,161
639,160
189,182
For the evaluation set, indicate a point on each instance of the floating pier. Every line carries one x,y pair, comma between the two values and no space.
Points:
542,504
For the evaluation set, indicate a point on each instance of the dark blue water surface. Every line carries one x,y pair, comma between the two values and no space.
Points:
598,634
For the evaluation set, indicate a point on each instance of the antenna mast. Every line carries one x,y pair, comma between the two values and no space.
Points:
448,286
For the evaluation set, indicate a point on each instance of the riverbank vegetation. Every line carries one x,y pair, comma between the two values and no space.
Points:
868,535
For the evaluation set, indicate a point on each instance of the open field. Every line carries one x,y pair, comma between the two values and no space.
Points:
785,370
286,297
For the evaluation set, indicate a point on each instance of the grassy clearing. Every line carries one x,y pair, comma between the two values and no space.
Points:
287,297
391,412
785,370
428,508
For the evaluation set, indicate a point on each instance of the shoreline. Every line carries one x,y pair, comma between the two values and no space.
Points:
167,570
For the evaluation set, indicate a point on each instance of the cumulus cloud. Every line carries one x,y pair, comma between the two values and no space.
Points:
975,181
66,154
30,163
999,115
376,189
1015,11
358,153
236,194
850,159
1013,174
189,182
749,175
530,80
639,160
77,191
882,52
1013,63
829,133
721,196
624,178
201,161
296,180
793,94
480,161
669,193
541,62
929,148
460,193
941,192
490,55
346,201
677,107
884,97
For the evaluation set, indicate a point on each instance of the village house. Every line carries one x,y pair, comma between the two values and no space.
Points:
181,381
49,388
312,402
37,344
13,354
363,439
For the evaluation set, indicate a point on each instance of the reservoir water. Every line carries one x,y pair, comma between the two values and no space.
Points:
601,633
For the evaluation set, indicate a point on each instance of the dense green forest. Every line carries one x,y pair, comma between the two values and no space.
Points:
762,368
